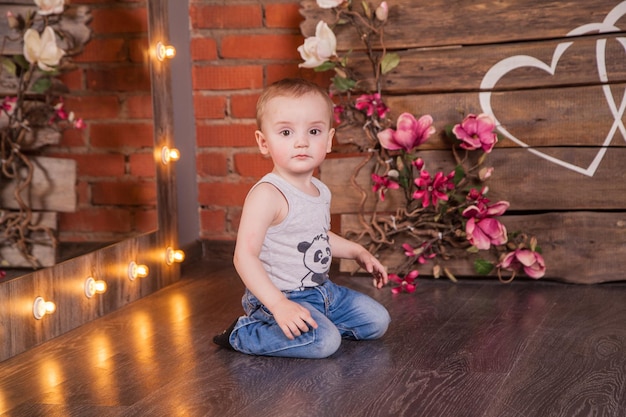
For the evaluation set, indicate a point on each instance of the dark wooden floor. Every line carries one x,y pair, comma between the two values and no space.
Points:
477,348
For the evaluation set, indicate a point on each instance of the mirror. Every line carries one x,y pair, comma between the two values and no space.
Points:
64,284
98,183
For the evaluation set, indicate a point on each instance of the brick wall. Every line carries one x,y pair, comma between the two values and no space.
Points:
237,49
110,89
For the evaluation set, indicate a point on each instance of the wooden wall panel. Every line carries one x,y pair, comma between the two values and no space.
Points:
553,74
575,243
419,24
462,68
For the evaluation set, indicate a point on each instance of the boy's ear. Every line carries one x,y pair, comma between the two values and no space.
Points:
331,135
261,142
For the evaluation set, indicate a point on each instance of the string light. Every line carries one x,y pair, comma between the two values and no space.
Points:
42,307
164,51
169,154
93,287
172,256
137,271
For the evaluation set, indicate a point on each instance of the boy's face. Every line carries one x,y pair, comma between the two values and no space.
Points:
296,133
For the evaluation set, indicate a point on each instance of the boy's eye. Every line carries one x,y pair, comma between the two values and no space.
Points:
315,131
285,132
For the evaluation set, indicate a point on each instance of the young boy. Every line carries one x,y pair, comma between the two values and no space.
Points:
284,242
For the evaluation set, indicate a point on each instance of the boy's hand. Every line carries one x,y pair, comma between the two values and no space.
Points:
372,265
292,318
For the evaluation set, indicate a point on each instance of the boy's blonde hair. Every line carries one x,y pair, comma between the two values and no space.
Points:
291,87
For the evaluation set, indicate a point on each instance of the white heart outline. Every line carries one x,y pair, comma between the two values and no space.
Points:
501,68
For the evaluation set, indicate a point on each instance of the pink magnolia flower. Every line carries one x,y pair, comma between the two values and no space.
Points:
482,230
476,132
79,124
482,209
382,11
409,133
338,110
9,104
406,284
485,173
485,232
435,189
530,261
370,103
59,110
422,256
382,184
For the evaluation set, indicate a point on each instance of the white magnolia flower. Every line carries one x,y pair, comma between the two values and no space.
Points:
329,4
47,7
42,50
319,48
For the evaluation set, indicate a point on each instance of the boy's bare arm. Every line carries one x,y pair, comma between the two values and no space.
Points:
264,207
346,249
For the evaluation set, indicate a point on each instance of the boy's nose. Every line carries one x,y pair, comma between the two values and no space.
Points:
301,141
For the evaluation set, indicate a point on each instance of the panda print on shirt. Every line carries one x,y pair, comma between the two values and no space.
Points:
317,258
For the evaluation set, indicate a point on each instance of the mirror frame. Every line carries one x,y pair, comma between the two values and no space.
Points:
64,283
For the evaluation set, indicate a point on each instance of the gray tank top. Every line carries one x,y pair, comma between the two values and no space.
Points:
296,253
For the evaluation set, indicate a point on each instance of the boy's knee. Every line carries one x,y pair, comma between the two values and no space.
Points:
377,326
381,324
327,342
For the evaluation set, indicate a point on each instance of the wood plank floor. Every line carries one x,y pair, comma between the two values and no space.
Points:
477,348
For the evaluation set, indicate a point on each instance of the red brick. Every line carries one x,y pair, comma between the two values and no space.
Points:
261,46
212,221
203,49
94,107
124,193
119,20
283,15
223,194
99,165
104,50
73,138
228,16
73,79
277,72
231,135
127,78
111,220
252,165
122,135
139,106
209,107
83,191
211,164
138,50
243,106
234,218
142,165
227,78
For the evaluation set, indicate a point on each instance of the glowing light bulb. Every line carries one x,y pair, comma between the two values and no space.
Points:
169,154
137,271
164,51
172,255
42,307
93,287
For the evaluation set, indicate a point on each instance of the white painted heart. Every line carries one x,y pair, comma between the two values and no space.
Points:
505,66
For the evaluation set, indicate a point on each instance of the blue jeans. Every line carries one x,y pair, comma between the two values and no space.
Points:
339,312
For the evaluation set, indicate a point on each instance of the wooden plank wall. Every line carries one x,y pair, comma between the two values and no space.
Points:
553,73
